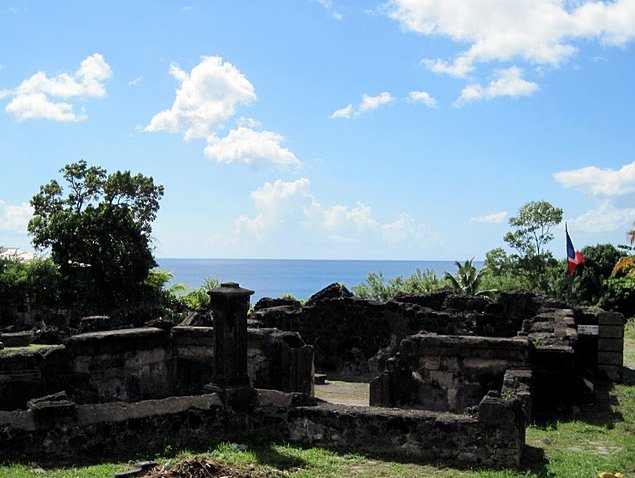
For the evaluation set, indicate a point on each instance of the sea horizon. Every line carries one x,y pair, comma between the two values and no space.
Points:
298,277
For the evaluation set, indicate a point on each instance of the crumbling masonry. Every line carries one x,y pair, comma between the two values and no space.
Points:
455,378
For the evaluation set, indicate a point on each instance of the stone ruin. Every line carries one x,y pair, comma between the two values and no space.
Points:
452,378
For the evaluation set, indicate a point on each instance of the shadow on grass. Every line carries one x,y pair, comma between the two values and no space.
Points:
599,410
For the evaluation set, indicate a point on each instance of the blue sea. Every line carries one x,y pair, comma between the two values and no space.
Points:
302,278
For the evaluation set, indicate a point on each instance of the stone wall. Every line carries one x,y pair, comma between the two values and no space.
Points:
354,336
62,431
137,364
447,373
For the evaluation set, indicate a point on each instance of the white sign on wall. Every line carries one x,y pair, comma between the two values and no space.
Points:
588,329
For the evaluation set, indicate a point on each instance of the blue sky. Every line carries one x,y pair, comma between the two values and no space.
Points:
405,129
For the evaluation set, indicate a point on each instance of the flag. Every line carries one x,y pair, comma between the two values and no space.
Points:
573,257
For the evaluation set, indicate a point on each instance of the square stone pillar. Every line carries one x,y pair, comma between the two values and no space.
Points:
230,304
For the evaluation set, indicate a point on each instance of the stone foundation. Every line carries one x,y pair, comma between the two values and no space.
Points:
138,364
447,373
67,432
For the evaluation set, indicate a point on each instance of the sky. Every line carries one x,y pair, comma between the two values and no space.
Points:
328,129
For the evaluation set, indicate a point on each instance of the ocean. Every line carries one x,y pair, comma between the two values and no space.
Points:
302,278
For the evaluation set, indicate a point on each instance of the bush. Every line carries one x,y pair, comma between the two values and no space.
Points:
377,288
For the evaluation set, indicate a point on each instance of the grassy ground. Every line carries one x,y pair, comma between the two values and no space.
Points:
595,438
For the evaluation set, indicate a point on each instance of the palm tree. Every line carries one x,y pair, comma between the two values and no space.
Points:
626,265
467,279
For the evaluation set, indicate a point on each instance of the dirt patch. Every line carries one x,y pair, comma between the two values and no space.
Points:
201,467
344,393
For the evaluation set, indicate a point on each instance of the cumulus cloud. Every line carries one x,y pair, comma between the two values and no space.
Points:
507,82
494,218
248,146
606,217
368,103
14,218
610,187
44,97
538,31
285,206
422,97
206,101
599,181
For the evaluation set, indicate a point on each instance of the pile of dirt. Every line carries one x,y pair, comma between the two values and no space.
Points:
201,467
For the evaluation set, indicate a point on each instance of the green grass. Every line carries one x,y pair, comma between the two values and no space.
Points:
597,437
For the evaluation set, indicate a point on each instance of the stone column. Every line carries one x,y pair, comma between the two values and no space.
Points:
230,304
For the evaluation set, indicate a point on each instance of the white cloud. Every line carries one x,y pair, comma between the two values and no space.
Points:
403,228
610,186
136,82
368,103
606,217
495,217
538,31
507,82
284,208
14,218
41,97
422,97
345,112
206,101
599,181
330,7
248,146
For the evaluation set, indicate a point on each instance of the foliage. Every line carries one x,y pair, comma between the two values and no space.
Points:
377,288
97,229
28,286
530,267
177,296
467,280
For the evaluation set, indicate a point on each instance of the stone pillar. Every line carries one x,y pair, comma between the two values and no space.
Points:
230,304
611,345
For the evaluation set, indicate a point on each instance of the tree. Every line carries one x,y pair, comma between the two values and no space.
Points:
533,231
467,280
98,230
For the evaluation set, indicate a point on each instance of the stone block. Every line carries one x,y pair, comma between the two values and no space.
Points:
16,339
611,332
430,362
610,318
443,378
610,358
610,345
186,335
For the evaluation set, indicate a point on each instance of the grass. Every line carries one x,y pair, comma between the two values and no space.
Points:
596,437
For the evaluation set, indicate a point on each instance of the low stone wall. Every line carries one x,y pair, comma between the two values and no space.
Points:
138,364
66,432
447,373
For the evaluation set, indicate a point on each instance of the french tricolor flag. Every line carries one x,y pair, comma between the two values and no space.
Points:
573,257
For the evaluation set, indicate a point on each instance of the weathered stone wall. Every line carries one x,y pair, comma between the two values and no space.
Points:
353,336
120,365
447,373
63,431
137,364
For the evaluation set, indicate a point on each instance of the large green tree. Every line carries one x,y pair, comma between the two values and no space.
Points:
530,262
98,227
